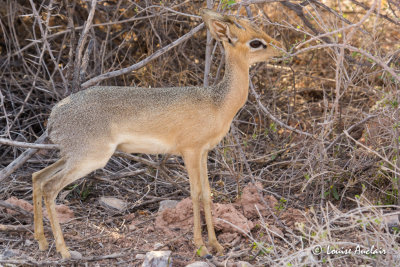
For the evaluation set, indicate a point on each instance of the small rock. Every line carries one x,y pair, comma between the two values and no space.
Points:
140,256
243,264
198,264
28,242
75,255
158,259
113,203
167,204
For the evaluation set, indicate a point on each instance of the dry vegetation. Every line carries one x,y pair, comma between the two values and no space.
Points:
338,88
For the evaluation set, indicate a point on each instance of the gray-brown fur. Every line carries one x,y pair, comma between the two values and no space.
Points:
88,115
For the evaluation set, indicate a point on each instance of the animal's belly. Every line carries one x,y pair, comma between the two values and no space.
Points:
144,144
216,139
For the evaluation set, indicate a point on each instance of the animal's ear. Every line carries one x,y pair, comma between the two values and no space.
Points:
220,31
219,26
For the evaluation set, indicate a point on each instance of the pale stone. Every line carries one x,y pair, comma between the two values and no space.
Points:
113,203
158,259
75,255
28,243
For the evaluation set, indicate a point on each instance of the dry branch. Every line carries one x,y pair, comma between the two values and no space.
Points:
26,145
15,208
16,228
272,117
18,162
79,49
376,12
144,61
354,49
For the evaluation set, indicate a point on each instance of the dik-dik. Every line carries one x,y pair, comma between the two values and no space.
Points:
90,125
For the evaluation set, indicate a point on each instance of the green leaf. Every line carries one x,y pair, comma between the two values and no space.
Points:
198,252
335,193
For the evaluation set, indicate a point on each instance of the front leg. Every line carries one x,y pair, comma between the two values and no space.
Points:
193,164
206,196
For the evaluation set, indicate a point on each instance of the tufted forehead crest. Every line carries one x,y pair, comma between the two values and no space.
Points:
207,13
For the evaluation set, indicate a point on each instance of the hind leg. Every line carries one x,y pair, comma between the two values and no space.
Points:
38,178
73,170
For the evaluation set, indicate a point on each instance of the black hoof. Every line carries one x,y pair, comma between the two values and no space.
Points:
208,256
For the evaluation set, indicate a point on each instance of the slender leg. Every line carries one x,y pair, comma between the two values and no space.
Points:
192,161
50,191
38,178
55,225
73,170
206,197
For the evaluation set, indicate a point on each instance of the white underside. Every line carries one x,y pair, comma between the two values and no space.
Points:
143,144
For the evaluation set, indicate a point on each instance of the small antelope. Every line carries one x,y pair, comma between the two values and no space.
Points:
90,125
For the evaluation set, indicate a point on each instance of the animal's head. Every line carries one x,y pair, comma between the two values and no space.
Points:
242,36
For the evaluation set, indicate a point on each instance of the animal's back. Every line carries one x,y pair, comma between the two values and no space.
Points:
99,114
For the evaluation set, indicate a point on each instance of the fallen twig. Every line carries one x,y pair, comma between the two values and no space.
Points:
9,142
27,154
15,208
16,228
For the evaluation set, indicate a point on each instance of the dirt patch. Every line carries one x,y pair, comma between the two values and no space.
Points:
64,213
175,219
251,200
292,216
232,219
228,219
23,204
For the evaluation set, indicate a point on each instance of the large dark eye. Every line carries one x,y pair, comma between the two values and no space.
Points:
257,44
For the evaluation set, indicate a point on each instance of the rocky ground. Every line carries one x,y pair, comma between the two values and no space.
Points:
169,229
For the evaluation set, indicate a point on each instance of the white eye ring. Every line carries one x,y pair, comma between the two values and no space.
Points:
257,44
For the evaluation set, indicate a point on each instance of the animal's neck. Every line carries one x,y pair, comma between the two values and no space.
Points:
235,81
